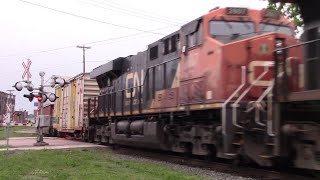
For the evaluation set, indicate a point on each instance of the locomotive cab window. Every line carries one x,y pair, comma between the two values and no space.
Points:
227,31
265,28
195,38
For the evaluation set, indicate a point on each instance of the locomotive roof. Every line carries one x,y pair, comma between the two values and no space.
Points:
107,67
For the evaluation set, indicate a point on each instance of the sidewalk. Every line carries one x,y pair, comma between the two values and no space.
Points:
26,143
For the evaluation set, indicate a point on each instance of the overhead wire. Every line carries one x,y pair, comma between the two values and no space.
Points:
88,18
88,43
136,10
129,12
71,46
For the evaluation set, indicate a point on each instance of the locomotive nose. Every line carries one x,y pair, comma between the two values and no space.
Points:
258,56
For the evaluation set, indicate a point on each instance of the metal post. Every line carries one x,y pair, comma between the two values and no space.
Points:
10,118
7,136
40,141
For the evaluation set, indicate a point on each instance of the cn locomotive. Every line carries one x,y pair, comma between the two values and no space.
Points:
234,84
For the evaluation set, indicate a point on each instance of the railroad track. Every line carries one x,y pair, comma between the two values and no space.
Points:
249,172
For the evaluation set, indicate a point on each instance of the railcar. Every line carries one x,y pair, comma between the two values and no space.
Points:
70,109
207,89
298,112
233,83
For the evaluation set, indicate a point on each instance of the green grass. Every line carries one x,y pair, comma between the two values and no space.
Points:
13,133
77,164
20,128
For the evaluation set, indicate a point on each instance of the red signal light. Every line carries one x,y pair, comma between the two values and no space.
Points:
39,98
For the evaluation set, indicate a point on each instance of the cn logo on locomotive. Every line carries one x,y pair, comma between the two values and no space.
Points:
133,81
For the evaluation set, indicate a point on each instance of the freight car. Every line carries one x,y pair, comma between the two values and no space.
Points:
70,109
206,89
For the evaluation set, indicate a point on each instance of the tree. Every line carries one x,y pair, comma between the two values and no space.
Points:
290,10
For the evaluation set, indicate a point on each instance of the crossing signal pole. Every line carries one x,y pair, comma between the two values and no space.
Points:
84,55
42,120
10,109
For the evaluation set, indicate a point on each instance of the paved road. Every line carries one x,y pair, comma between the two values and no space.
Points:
26,143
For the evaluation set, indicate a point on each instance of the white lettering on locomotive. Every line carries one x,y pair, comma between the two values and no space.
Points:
134,76
252,77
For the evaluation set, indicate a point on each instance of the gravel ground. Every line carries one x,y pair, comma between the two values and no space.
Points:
208,174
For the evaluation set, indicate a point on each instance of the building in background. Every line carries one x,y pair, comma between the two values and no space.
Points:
4,99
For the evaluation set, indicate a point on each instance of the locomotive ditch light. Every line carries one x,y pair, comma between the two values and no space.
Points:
52,97
18,86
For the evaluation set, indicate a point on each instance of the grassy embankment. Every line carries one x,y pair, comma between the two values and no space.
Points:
15,134
77,164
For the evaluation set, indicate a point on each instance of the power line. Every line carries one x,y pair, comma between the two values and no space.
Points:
72,46
88,18
133,13
135,10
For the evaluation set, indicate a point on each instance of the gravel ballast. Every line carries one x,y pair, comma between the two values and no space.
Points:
207,174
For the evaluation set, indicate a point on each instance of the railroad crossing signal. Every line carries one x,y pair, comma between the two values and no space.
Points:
27,69
8,107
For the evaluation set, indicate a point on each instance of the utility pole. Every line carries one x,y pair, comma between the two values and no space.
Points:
84,55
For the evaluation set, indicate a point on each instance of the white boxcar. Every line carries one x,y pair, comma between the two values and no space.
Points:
70,109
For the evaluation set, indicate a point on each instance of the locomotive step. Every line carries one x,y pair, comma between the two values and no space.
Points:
270,144
239,132
258,129
264,156
237,143
231,154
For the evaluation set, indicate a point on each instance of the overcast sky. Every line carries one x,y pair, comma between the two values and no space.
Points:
49,38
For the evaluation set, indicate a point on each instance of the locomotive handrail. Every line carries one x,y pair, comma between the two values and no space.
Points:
296,45
264,94
267,93
236,103
269,115
223,112
257,115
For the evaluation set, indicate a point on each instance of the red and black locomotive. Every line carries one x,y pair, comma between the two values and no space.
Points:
225,84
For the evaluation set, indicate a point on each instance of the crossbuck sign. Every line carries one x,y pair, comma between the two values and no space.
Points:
26,69
9,107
